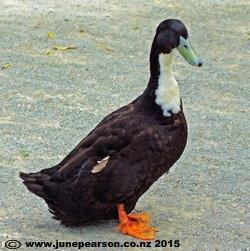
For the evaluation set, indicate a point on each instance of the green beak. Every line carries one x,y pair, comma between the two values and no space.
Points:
188,53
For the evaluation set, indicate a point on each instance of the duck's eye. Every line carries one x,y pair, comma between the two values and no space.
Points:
185,46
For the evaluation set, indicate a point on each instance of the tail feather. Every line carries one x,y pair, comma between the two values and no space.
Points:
34,182
27,177
36,189
42,185
34,177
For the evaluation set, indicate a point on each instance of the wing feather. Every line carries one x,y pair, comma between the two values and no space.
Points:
133,167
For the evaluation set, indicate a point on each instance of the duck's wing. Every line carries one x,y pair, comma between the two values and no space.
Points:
136,165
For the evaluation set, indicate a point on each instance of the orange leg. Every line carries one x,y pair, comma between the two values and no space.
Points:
135,224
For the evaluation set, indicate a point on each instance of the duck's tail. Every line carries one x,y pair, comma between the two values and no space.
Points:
39,184
66,205
35,184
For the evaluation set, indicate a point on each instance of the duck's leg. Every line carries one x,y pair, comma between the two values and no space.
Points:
135,224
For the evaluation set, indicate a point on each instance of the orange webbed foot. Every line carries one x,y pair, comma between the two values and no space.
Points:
135,224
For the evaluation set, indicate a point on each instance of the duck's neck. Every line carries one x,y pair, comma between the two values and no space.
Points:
163,89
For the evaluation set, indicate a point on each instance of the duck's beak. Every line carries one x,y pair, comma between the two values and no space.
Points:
188,53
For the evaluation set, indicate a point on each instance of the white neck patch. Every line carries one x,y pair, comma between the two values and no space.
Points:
167,92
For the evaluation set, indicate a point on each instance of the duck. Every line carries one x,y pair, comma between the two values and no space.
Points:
104,176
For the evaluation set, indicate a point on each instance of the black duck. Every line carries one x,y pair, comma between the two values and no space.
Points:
108,171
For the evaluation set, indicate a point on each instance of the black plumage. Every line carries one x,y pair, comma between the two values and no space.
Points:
140,142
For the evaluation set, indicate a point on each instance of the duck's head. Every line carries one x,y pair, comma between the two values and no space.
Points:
172,34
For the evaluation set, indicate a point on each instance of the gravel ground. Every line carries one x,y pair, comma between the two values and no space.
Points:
50,102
